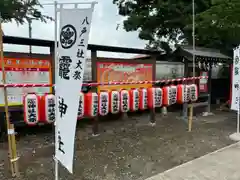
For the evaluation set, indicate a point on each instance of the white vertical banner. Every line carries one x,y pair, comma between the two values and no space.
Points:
236,80
72,50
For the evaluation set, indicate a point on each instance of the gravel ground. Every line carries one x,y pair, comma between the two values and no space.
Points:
127,149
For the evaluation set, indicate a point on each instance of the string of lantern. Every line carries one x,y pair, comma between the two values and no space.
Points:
106,83
41,108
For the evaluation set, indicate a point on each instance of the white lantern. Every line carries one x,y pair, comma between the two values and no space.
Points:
114,102
81,105
31,109
103,105
124,101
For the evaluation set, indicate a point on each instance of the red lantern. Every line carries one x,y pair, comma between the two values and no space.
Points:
173,96
193,92
81,106
91,104
183,93
134,99
143,99
124,101
155,97
103,103
167,96
31,111
114,102
48,108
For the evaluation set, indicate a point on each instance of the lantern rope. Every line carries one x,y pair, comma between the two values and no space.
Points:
20,85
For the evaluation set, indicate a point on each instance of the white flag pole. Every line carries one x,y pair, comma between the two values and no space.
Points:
64,141
56,73
238,112
236,136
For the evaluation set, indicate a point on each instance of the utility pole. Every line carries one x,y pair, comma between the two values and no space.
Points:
30,33
193,35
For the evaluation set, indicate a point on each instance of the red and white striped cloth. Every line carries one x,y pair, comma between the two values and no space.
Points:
108,83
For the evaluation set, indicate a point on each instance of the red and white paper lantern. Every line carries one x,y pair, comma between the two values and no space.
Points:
158,97
103,103
48,108
114,102
183,93
124,101
193,92
173,94
81,106
166,96
31,104
155,97
143,99
134,99
91,104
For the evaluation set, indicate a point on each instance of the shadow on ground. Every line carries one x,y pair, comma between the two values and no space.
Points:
127,149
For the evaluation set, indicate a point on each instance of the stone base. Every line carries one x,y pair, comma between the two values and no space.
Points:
185,118
164,111
235,136
152,124
204,114
95,135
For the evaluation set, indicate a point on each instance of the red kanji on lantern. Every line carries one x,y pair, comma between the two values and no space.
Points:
124,101
114,102
31,111
134,99
103,103
81,106
47,108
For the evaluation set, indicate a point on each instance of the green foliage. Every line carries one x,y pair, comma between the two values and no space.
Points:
21,11
217,21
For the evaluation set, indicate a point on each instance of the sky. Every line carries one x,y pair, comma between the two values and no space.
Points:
103,29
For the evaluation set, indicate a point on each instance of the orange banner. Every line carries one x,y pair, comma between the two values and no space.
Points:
126,72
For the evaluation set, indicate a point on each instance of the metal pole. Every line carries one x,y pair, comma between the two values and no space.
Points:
193,35
190,118
56,71
30,34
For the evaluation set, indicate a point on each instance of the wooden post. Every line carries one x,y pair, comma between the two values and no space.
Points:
95,129
10,127
152,117
190,118
185,105
209,89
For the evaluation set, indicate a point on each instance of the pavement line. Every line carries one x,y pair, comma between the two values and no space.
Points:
189,162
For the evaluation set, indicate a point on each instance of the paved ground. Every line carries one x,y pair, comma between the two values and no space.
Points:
221,165
127,149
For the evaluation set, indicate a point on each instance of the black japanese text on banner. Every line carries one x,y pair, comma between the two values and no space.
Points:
236,80
73,41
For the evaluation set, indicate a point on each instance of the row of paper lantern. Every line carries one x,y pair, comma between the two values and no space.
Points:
42,108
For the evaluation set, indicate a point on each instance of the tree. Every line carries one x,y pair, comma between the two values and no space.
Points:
21,11
161,21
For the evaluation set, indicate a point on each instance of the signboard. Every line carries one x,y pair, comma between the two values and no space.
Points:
22,70
203,83
125,72
235,80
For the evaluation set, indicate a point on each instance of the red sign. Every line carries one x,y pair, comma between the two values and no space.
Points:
203,83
